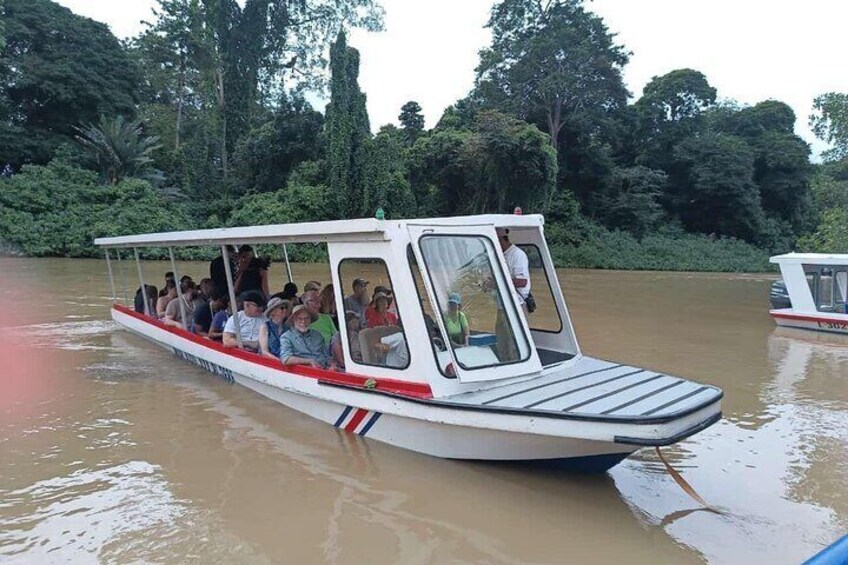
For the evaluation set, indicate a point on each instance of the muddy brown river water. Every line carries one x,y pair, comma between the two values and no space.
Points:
112,450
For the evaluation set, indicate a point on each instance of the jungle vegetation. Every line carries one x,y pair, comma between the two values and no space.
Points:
202,120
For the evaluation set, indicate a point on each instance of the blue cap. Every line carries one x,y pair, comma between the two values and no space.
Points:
454,298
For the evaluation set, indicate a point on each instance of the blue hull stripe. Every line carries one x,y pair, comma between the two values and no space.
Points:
343,416
370,423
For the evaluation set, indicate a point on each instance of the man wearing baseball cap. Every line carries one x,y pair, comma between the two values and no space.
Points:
358,301
250,320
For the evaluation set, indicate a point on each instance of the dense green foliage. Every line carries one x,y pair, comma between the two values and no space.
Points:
57,71
202,121
59,209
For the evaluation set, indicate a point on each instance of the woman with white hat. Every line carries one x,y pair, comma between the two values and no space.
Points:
273,329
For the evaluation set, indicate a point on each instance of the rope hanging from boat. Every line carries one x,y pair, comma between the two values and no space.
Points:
681,482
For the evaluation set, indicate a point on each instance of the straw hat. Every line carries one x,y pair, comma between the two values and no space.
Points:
297,310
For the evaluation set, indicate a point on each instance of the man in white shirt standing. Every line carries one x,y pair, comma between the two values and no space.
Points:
519,271
518,264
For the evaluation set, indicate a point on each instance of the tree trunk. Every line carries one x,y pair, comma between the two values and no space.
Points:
222,111
180,98
555,123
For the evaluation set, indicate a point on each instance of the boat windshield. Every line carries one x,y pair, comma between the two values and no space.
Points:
469,285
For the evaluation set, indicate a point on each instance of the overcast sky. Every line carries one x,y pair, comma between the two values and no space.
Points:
750,50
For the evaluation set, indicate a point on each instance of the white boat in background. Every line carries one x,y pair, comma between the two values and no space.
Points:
519,390
817,285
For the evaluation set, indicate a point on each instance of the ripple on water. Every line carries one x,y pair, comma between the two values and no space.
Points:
73,336
79,514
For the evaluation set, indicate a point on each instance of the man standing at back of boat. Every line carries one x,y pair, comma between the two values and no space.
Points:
518,264
519,271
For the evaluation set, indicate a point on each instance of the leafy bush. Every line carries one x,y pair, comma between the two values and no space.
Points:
584,244
58,210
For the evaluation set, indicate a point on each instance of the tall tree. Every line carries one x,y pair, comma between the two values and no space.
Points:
411,120
830,123
782,169
670,110
551,58
348,130
58,70
720,194
244,51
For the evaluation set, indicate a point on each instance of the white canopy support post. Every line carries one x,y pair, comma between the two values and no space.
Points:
123,273
288,266
112,276
232,289
180,291
141,278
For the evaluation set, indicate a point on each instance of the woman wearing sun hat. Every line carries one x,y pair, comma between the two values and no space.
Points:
378,314
270,333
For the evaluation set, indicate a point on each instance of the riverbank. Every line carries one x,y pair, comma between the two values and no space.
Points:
688,252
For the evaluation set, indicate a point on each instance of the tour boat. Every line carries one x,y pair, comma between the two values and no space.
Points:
817,285
517,388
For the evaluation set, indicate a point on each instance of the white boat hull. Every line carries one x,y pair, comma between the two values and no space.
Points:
823,322
425,425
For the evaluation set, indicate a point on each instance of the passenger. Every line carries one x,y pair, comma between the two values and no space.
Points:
456,322
206,287
518,264
289,293
328,304
275,326
250,320
322,322
204,314
138,302
303,345
219,320
183,280
169,276
218,270
252,273
358,301
312,285
353,327
174,313
394,347
519,272
377,314
164,299
389,295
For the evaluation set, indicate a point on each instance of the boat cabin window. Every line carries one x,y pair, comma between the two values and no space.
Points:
470,286
546,317
828,287
372,324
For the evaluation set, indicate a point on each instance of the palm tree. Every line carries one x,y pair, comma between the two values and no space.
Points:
120,147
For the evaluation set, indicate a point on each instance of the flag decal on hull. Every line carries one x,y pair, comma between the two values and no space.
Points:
357,420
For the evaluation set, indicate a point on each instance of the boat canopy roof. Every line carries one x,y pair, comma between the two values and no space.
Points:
810,259
366,229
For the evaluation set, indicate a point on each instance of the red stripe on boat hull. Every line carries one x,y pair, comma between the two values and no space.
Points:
416,390
356,420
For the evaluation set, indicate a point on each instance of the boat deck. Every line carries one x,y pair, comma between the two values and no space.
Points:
593,388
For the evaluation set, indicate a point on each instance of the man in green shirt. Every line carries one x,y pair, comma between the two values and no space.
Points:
323,323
